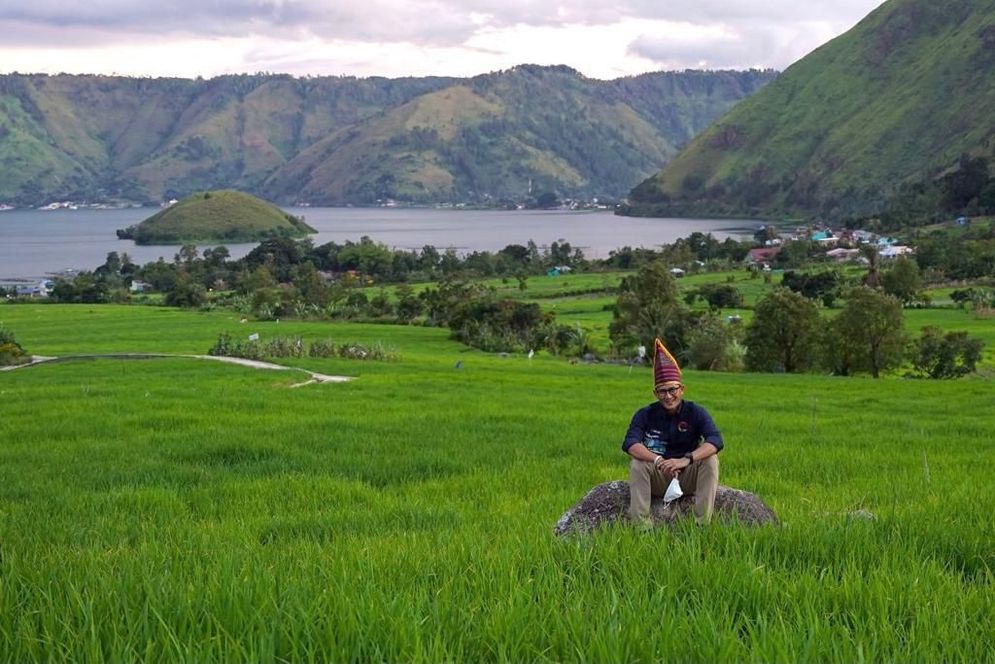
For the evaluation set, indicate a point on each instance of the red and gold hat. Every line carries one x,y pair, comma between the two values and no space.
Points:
665,366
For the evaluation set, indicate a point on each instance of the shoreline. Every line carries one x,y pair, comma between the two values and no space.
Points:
37,245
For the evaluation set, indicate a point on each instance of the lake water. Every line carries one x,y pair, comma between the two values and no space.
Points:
34,243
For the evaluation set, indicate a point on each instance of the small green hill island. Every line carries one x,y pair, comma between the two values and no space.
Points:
216,216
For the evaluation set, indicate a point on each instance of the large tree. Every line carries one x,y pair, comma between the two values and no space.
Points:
648,306
823,285
869,331
783,335
903,280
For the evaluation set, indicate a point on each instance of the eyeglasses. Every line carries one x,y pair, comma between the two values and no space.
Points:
668,391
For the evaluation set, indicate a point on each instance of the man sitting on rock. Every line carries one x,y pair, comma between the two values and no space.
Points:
671,438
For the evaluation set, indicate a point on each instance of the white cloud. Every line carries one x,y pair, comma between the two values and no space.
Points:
727,46
601,38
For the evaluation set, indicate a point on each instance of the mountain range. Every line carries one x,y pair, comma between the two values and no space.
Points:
344,140
899,100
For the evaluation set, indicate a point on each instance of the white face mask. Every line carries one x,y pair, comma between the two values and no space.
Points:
673,491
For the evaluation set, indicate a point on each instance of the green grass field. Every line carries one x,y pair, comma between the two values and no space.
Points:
191,511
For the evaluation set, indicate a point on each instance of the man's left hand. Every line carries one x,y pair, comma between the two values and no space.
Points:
671,467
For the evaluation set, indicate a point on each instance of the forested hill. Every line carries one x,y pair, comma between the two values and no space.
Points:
331,140
896,100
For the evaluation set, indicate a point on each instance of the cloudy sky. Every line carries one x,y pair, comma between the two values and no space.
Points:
600,38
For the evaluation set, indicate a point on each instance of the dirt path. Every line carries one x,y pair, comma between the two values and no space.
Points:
254,364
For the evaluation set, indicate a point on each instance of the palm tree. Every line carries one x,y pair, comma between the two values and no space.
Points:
870,252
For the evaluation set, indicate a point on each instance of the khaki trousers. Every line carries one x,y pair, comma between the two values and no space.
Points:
700,479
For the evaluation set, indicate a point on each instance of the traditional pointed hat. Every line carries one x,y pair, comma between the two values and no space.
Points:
665,366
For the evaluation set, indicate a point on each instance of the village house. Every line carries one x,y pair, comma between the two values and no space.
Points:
895,250
846,238
762,257
824,238
41,288
842,255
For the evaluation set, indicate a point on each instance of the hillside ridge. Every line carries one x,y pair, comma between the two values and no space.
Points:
343,140
896,100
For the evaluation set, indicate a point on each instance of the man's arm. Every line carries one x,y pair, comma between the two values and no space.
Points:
634,435
708,431
641,452
633,443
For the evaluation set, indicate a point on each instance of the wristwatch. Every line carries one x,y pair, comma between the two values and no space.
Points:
690,457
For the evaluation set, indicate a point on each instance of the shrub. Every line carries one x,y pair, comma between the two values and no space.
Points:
714,346
321,348
11,352
558,339
499,325
283,347
945,355
978,298
223,347
720,296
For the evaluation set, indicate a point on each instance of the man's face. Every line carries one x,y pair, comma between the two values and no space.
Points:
669,394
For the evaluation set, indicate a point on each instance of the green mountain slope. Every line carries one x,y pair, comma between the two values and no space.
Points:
502,135
896,99
348,140
217,216
99,137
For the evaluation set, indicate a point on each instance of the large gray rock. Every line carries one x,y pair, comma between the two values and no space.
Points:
610,502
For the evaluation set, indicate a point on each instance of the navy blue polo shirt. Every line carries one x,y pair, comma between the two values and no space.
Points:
672,436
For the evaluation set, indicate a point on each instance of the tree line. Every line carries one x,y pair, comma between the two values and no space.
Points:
788,333
287,278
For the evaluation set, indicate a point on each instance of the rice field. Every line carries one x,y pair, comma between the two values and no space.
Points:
179,510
